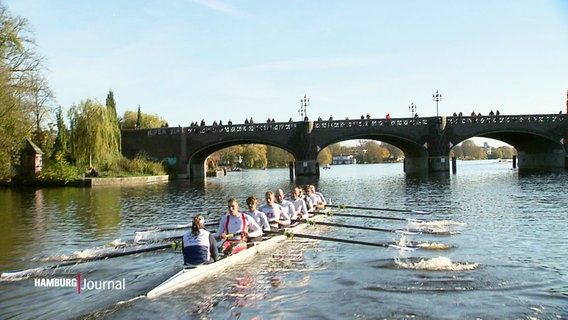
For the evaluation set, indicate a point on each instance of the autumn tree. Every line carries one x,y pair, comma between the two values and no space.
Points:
325,156
277,157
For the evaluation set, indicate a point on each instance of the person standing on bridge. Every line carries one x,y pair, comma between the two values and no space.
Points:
234,229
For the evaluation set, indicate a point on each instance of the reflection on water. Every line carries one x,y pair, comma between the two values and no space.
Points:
511,228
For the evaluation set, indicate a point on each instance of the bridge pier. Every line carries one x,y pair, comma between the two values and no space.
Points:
439,164
415,165
197,170
307,168
555,159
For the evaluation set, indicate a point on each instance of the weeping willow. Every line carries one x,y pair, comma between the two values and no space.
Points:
95,136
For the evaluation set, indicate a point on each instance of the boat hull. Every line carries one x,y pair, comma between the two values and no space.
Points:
188,276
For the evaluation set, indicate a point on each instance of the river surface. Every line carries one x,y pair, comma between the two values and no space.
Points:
509,260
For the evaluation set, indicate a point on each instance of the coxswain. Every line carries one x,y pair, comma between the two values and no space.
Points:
199,245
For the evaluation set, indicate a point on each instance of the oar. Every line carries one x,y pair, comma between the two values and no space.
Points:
179,227
292,235
377,209
17,274
331,224
368,216
144,235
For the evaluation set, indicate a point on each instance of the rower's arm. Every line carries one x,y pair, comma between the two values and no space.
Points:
264,221
257,230
221,228
213,247
284,218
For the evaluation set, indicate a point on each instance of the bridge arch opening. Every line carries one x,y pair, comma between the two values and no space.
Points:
237,155
379,148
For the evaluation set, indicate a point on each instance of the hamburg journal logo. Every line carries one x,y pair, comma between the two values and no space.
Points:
81,284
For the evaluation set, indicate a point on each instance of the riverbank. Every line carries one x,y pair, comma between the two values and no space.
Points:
91,182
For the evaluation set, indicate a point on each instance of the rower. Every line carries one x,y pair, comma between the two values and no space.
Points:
285,204
274,212
259,216
199,245
316,200
299,203
314,191
234,229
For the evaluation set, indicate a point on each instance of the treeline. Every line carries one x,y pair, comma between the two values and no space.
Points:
91,136
468,150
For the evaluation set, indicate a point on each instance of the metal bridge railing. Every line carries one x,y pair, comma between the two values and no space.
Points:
339,124
538,118
359,123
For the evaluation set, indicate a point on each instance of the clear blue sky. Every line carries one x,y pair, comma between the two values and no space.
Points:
220,60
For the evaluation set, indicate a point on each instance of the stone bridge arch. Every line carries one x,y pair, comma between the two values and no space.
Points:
411,135
541,140
538,139
196,165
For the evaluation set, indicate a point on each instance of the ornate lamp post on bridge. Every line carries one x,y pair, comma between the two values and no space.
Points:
412,109
437,97
303,111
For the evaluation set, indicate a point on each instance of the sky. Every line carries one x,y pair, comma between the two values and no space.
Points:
188,60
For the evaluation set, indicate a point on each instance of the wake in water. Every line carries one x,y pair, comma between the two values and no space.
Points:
404,242
441,227
90,253
434,264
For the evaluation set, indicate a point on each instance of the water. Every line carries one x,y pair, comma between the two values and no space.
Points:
514,230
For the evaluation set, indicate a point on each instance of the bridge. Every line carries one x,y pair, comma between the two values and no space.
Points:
540,140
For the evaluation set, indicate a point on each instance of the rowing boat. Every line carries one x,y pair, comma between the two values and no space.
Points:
193,274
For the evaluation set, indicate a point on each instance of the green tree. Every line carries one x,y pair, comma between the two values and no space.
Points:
60,148
93,134
138,118
111,107
130,120
254,156
20,79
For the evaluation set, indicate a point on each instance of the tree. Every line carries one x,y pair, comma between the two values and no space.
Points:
254,156
111,107
139,118
277,157
60,148
325,156
130,120
21,88
93,134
